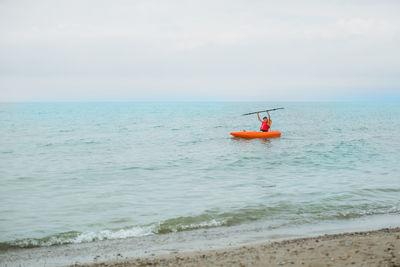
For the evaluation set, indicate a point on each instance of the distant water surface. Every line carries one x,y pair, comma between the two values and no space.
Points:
81,172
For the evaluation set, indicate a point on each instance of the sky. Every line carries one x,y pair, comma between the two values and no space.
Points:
236,50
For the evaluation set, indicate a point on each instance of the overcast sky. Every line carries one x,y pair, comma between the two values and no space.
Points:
199,50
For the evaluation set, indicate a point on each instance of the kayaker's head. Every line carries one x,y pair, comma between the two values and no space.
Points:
265,119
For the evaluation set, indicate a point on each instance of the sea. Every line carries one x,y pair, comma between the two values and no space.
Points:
163,177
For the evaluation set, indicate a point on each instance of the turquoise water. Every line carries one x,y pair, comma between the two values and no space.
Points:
81,172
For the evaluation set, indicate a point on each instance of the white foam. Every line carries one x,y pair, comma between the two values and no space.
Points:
108,234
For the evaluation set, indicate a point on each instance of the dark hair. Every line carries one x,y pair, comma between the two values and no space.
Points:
265,118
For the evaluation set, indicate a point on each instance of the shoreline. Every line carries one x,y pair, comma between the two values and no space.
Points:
195,241
371,248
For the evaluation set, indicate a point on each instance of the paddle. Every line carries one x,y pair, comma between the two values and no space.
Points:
261,111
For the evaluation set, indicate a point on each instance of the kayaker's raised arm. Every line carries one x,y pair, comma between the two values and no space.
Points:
258,115
269,117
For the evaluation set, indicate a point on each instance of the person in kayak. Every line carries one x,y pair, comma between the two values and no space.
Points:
265,122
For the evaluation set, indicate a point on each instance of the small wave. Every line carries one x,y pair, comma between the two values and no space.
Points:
385,190
74,237
188,223
141,168
131,168
356,214
24,178
90,142
70,143
294,214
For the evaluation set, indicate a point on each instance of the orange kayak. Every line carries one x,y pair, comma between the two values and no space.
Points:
245,134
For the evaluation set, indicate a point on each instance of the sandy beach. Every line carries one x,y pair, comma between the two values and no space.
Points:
372,248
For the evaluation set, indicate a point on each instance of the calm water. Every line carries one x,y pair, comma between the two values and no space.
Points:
82,172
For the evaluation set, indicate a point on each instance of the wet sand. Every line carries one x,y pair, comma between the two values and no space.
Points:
372,248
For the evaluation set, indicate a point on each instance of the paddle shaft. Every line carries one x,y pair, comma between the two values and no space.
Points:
261,111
